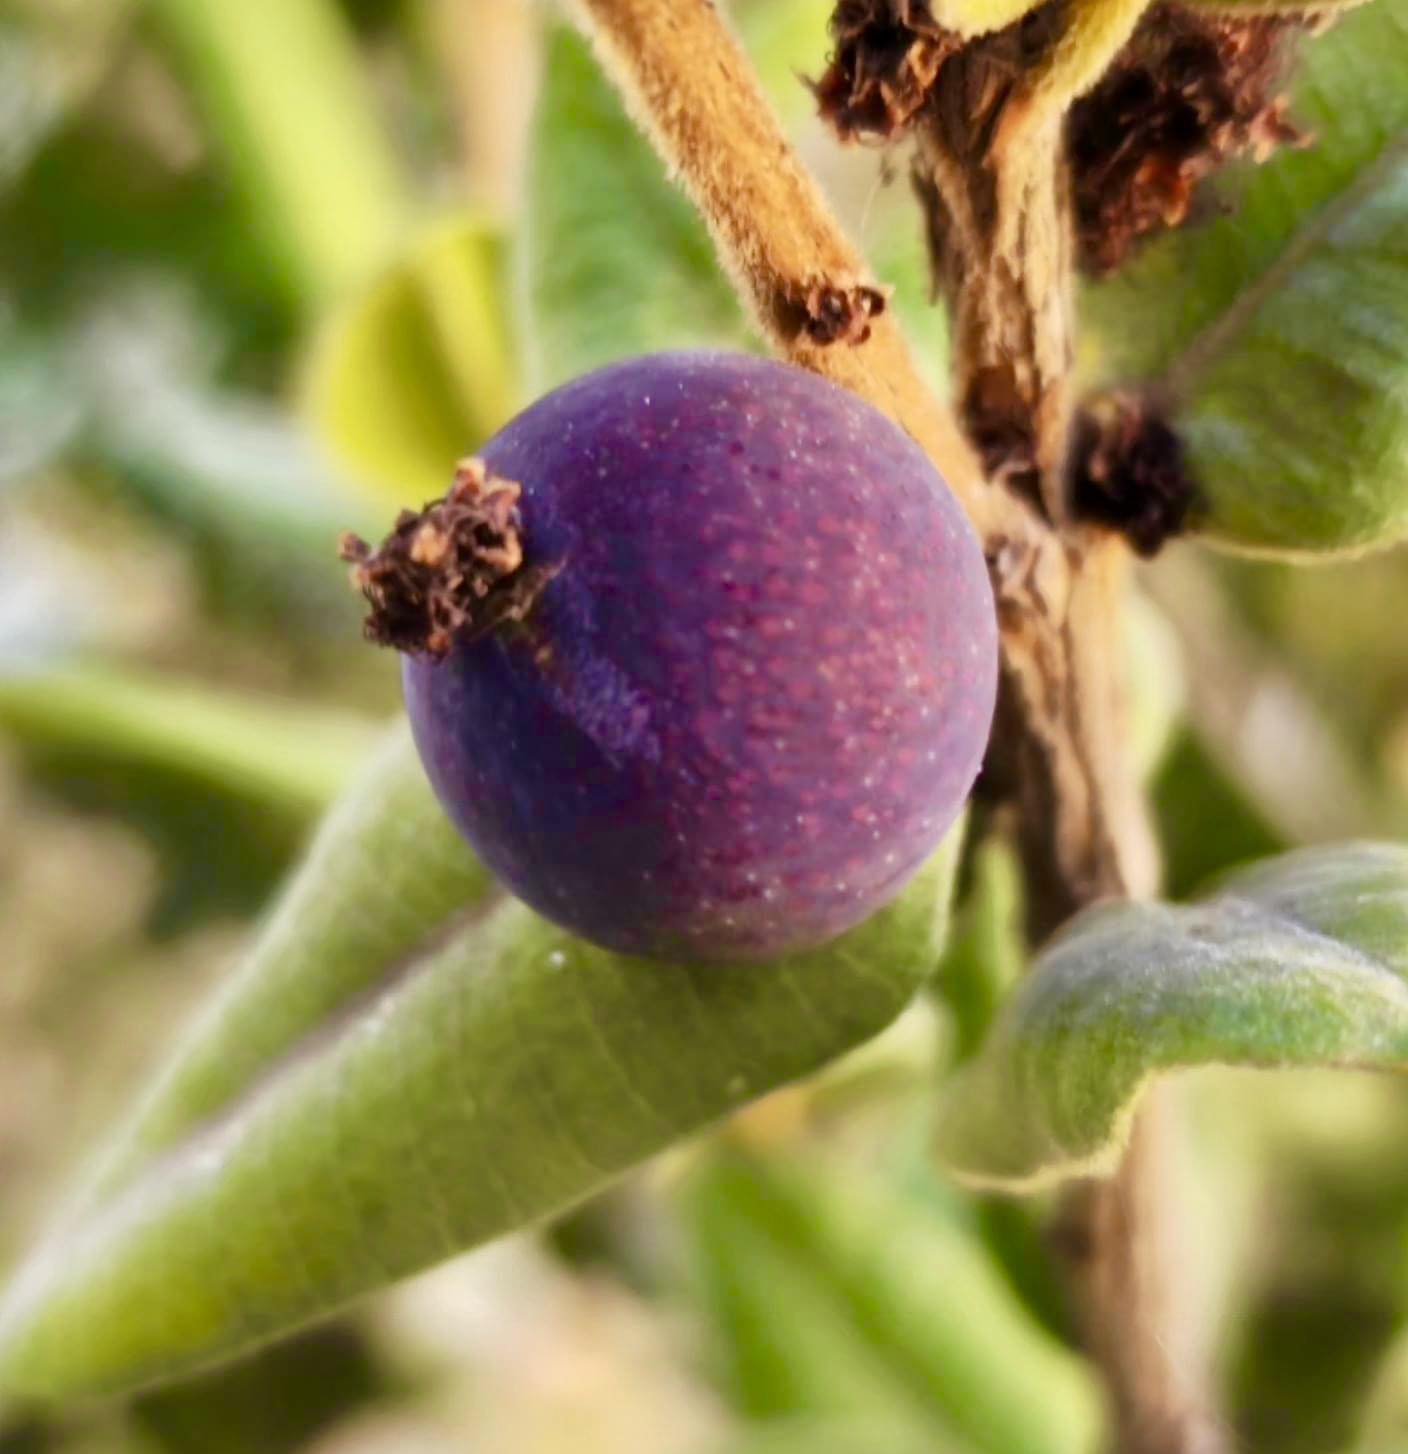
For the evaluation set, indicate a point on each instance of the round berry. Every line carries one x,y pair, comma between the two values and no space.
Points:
701,655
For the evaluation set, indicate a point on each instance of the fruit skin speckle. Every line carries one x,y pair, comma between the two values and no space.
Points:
756,692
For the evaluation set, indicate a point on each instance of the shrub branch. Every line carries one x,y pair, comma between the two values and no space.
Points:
691,88
1058,585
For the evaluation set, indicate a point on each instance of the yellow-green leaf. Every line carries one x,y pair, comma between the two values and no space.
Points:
415,371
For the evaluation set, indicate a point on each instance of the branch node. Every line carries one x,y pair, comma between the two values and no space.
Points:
828,312
1130,471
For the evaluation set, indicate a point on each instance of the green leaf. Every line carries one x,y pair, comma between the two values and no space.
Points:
986,949
1298,961
844,1296
1281,329
613,260
227,468
408,1064
286,754
1191,790
786,1344
415,371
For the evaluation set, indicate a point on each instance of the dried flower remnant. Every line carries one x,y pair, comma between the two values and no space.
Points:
888,56
450,572
1189,93
1130,471
834,314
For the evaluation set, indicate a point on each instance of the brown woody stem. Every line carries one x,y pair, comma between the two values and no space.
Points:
1003,195
996,195
992,171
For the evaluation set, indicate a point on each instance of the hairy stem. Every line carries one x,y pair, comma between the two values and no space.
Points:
1060,747
1118,1238
692,90
992,173
1057,587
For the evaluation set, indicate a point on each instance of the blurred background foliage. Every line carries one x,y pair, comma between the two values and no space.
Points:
264,273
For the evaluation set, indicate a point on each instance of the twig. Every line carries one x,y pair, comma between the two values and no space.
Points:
1000,233
693,91
1058,589
992,173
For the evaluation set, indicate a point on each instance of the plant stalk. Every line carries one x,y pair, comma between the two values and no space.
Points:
691,88
1058,586
992,172
1120,1240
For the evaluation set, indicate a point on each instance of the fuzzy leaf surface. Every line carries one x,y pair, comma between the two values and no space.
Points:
1281,327
1299,961
408,1064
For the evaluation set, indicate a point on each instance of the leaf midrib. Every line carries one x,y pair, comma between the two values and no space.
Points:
133,1158
1217,337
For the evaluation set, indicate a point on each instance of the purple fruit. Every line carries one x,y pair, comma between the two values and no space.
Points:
721,678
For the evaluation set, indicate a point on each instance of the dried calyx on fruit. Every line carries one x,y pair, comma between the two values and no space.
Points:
451,572
714,676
